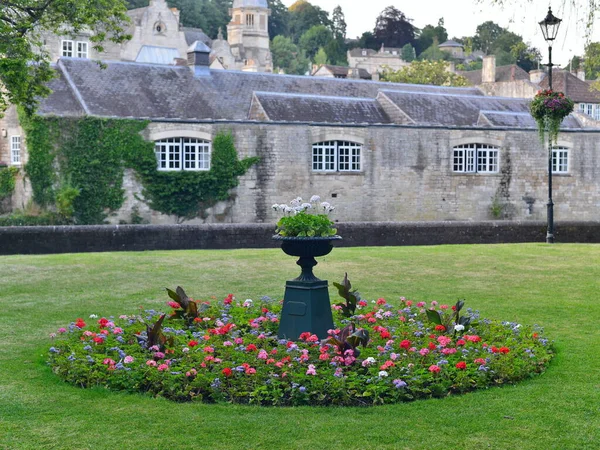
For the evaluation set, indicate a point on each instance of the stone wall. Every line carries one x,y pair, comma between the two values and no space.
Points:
100,238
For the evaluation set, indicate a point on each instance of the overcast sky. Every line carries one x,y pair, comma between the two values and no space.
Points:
461,17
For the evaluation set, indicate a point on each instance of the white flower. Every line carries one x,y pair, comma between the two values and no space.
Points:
299,208
325,205
288,209
383,374
295,202
283,206
330,208
315,199
459,327
370,360
275,207
306,205
93,316
248,303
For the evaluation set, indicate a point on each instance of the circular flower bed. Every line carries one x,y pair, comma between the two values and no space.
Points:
228,351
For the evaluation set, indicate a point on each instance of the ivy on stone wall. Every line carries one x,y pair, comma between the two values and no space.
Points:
90,154
7,181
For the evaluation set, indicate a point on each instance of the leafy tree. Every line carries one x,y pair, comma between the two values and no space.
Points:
367,40
316,37
527,58
434,53
303,16
210,15
591,61
279,18
471,65
338,23
393,28
287,56
427,35
321,57
336,52
408,53
425,72
486,35
24,65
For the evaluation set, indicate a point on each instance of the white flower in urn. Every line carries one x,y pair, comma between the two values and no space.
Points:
305,219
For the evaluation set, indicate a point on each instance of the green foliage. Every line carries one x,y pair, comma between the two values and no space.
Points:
287,56
25,66
7,181
338,23
408,53
321,57
303,224
315,38
434,53
452,321
184,307
429,33
21,219
349,338
591,61
352,297
92,154
279,19
425,72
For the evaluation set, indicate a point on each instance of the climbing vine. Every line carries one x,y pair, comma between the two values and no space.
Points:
7,181
86,158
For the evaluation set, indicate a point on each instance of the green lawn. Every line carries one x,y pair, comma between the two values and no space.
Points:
554,286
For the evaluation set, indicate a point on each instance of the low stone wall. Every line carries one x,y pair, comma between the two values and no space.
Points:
102,238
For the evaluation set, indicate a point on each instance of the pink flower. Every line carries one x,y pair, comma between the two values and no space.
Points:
444,340
163,367
108,361
448,351
434,369
262,354
151,362
443,306
311,370
424,351
421,304
238,341
128,359
62,330
227,344
250,370
117,330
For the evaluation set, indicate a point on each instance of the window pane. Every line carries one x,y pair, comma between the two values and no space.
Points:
82,50
15,149
67,48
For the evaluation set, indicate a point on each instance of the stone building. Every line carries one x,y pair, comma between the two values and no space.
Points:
376,62
158,38
331,71
378,151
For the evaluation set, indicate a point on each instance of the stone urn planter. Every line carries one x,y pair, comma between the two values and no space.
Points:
306,305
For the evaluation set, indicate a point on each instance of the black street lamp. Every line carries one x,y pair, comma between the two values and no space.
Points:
549,28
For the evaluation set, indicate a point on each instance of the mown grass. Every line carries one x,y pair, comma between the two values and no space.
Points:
555,286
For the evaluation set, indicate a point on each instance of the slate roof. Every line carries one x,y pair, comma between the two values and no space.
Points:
450,43
577,90
342,71
195,34
321,109
511,72
158,92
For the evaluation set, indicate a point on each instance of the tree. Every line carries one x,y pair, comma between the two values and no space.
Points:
25,65
425,72
485,36
427,35
210,15
367,40
434,53
393,28
321,57
527,58
287,56
316,37
304,16
338,23
408,53
591,61
279,18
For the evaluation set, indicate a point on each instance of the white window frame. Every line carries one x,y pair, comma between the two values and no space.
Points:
15,150
475,158
82,49
66,48
582,108
560,160
337,156
182,153
590,109
596,112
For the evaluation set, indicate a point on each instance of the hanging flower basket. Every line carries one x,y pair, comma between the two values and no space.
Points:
549,108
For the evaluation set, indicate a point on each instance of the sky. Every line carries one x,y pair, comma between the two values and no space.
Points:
461,18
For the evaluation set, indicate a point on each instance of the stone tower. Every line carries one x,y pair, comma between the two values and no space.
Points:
248,35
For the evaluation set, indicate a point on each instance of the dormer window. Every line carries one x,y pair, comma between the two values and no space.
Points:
364,53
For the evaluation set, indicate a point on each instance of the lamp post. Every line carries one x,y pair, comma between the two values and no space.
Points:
549,28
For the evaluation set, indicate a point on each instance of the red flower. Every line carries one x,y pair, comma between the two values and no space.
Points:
440,328
251,348
192,343
304,336
102,322
494,349
381,301
265,310
405,344
385,334
434,369
80,323
504,350
431,346
197,319
362,303
98,340
460,342
461,365
227,372
228,299
479,361
174,305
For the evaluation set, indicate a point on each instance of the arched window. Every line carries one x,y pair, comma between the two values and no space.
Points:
475,158
336,156
182,154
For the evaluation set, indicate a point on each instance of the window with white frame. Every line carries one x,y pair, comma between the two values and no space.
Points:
67,49
15,150
475,158
336,156
82,49
560,160
182,154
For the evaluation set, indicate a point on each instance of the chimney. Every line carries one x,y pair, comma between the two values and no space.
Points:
536,76
488,71
581,74
451,67
512,73
198,58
